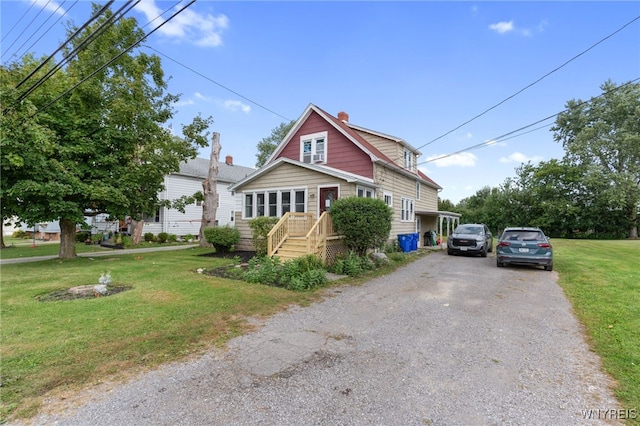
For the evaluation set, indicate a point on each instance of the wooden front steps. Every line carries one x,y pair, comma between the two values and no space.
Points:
292,248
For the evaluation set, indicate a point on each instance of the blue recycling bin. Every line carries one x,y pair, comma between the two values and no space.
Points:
405,242
414,241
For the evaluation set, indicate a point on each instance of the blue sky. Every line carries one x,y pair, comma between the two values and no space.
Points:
415,70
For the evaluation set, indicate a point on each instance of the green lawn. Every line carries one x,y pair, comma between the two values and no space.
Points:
172,312
602,281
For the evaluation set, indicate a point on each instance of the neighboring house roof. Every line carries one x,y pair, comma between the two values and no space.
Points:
199,168
340,174
348,130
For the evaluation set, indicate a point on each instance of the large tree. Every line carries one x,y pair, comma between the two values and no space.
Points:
603,136
267,145
111,149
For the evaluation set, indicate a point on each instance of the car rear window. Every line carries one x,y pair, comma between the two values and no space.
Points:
523,236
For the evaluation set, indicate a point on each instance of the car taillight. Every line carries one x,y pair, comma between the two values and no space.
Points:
544,245
504,244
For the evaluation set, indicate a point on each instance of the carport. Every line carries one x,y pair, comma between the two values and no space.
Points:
438,221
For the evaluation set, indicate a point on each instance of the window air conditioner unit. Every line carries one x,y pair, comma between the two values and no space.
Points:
318,158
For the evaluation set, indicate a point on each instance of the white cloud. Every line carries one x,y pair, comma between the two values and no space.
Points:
185,103
464,159
502,27
199,29
51,6
518,157
237,106
202,97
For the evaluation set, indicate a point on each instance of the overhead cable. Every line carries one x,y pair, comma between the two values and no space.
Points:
25,29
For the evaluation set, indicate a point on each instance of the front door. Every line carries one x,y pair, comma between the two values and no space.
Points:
327,197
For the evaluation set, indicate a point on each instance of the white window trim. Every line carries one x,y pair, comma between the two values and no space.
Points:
408,160
386,194
407,212
314,137
265,192
365,189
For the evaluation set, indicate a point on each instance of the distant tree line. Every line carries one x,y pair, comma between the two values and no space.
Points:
593,192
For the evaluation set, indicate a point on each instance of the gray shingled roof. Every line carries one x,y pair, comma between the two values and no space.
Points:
199,168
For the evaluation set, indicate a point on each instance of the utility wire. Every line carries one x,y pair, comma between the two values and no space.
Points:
511,134
18,20
88,40
535,82
216,83
48,29
38,29
115,58
25,28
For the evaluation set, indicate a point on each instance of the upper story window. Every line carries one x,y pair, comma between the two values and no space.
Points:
365,192
313,148
409,159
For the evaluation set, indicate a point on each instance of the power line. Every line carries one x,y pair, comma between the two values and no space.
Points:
512,134
38,29
535,82
115,58
25,28
218,84
18,20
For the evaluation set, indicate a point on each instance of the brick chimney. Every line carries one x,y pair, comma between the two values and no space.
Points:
343,116
229,160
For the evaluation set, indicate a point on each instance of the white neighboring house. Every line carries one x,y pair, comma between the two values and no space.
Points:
188,181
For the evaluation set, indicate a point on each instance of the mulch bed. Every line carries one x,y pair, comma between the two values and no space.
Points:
65,294
232,272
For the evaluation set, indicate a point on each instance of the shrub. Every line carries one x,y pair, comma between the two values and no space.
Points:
188,238
351,264
300,274
172,238
19,233
263,270
223,238
260,227
127,241
364,222
149,237
163,237
81,237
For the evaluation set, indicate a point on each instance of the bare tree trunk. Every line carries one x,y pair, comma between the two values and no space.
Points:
634,223
210,205
136,231
2,235
67,239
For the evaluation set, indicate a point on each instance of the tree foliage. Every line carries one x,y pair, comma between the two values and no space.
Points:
267,145
105,148
603,137
364,222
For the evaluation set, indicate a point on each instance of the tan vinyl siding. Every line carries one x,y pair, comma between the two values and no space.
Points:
390,148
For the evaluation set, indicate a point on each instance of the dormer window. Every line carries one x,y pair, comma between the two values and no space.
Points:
408,160
313,148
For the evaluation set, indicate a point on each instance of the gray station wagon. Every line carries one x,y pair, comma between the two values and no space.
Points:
524,246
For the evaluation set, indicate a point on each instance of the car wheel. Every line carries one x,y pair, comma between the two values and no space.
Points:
491,248
548,267
449,252
483,253
499,264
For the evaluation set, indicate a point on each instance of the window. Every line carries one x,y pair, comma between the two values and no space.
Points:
274,203
313,148
388,198
233,216
417,190
260,204
199,203
152,218
365,192
408,159
286,202
248,205
407,214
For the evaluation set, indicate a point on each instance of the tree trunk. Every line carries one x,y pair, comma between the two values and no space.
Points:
2,235
136,231
67,239
210,205
634,222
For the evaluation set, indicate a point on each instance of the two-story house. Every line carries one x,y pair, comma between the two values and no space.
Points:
324,158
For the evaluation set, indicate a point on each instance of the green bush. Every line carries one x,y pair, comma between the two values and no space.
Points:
223,238
19,233
189,238
260,227
163,237
172,238
364,222
300,274
352,265
149,237
81,237
127,241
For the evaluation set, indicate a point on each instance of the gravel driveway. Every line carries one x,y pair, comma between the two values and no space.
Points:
444,341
